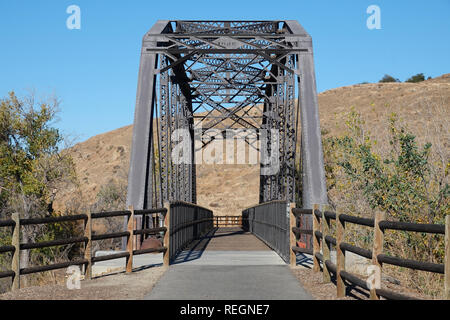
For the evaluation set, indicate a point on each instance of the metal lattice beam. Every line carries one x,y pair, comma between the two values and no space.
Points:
225,69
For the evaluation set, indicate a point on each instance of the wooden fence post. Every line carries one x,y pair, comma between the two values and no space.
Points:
130,247
316,243
378,238
88,247
166,257
292,237
15,265
340,256
326,276
447,258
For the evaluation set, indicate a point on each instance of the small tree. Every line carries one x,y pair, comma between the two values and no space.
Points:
416,78
388,78
32,170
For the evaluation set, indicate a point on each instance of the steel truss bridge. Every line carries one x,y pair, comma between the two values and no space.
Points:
219,75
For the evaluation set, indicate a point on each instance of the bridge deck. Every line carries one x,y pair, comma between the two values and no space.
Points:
229,239
228,264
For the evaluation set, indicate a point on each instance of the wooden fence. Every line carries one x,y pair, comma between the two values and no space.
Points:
87,239
183,222
322,242
227,221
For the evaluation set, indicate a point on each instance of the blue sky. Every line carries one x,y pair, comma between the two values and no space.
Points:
94,70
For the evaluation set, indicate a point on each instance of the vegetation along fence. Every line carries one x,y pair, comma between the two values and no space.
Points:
323,242
270,222
183,222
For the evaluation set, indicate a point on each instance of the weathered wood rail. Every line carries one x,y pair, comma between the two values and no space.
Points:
323,242
183,222
227,221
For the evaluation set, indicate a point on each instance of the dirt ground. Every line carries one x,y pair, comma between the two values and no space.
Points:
312,282
120,286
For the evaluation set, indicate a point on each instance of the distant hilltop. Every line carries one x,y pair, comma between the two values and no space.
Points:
105,158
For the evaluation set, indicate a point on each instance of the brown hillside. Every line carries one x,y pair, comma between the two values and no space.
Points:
227,189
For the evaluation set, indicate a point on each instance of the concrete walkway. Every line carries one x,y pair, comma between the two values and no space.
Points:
228,265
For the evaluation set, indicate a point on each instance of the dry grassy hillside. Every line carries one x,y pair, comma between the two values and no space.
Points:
230,188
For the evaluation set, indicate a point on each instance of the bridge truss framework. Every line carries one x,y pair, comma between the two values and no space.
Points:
214,76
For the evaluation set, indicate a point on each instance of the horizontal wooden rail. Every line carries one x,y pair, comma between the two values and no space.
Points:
330,215
5,249
412,264
302,250
354,279
357,220
111,256
298,212
7,223
52,243
391,295
46,220
388,294
149,250
54,266
114,235
299,231
101,215
228,221
414,227
319,256
331,266
330,239
318,234
7,274
150,211
323,242
356,250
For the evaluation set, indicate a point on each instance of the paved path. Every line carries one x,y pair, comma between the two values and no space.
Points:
228,265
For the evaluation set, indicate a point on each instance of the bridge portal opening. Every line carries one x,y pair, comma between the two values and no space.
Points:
203,84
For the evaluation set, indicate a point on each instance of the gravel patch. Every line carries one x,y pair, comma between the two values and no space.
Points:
121,286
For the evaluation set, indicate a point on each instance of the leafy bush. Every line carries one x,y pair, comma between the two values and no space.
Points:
416,78
388,78
403,182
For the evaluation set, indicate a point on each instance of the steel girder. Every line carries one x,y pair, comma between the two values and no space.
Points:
224,69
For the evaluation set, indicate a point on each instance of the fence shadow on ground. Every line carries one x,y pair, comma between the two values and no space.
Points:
195,250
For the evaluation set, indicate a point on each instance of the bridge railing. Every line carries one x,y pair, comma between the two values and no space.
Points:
270,222
87,239
187,223
323,242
